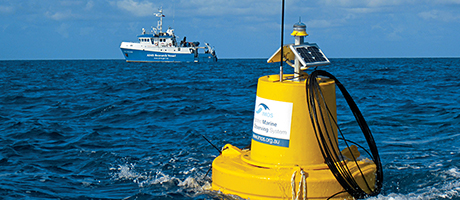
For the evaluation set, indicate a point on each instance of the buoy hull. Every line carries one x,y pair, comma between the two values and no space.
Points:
284,145
231,174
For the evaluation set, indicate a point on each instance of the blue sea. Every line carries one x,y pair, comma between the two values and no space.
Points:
107,129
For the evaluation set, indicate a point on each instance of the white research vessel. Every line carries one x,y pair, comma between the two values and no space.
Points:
159,46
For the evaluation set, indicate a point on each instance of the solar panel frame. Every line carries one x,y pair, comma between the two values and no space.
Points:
309,55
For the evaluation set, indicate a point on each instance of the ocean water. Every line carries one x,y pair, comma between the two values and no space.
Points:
107,129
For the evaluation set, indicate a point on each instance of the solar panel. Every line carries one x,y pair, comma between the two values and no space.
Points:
309,55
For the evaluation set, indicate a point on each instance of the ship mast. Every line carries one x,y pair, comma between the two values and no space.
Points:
160,21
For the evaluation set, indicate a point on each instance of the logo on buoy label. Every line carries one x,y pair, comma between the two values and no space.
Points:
272,122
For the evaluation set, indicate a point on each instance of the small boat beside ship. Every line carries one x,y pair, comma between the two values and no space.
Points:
159,46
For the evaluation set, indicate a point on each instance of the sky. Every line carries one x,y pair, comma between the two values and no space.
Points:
94,29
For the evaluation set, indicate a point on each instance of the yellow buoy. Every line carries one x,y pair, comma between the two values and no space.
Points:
289,156
284,157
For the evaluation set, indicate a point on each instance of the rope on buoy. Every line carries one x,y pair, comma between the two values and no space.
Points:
304,183
293,185
302,186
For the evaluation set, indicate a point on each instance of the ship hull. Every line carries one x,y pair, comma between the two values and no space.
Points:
134,55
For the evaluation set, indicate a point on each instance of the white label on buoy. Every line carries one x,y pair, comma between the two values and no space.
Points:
272,122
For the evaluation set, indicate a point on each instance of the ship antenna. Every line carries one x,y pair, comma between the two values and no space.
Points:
174,13
282,41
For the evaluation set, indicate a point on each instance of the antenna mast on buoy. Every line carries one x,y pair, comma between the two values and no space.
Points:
282,40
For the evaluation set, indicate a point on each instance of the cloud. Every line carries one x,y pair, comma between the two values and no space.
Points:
58,16
63,30
89,5
139,9
363,10
366,3
86,30
233,8
6,9
448,1
396,33
438,15
70,10
322,23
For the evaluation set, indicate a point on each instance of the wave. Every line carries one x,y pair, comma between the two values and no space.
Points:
448,187
191,185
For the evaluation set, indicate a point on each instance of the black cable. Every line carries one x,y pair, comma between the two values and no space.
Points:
220,152
335,195
323,123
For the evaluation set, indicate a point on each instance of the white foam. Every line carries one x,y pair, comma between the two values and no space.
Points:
189,182
447,189
145,179
454,172
127,172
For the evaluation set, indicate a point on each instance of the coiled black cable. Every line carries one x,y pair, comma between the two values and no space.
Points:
323,123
